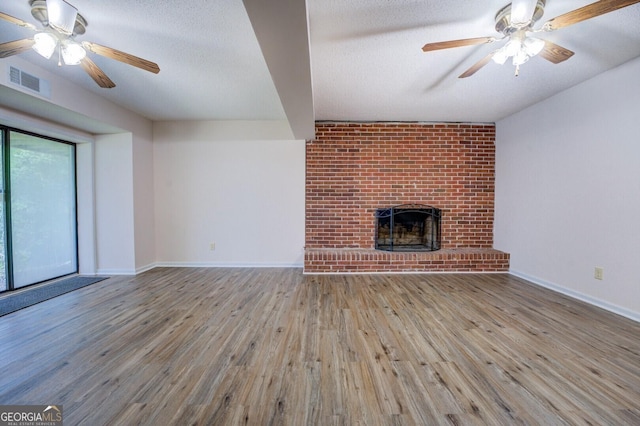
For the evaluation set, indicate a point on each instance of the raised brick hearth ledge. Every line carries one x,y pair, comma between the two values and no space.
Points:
369,260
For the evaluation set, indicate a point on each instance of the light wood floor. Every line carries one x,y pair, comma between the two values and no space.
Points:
271,346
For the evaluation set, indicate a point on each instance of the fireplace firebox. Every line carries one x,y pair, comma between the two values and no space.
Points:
408,227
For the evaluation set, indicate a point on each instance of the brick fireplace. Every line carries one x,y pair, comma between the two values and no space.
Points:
354,169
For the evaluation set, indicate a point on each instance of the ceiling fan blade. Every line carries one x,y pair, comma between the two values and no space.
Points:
122,57
457,43
554,53
96,73
11,48
475,67
17,21
587,12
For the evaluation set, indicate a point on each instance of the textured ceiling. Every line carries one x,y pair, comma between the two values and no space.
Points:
210,61
363,58
368,63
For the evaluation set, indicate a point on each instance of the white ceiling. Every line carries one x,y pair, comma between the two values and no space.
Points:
364,60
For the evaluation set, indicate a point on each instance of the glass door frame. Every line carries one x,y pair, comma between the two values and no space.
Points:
6,204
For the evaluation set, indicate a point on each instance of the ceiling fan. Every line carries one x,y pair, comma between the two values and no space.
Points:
61,24
516,24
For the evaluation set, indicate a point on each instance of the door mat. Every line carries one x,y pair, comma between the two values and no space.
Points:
30,296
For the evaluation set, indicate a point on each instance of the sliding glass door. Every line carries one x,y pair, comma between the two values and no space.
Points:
4,285
39,227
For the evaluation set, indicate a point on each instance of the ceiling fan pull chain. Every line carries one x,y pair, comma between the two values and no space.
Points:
517,70
59,56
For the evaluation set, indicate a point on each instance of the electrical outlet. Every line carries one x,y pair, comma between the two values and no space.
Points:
212,246
598,273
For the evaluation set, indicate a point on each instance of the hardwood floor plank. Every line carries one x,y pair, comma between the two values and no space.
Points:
272,346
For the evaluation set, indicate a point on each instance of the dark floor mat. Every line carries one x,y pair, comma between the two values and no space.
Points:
30,296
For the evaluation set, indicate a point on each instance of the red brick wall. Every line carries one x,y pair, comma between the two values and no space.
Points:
355,168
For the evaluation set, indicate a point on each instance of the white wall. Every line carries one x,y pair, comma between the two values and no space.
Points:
86,203
114,204
239,185
80,108
225,170
568,190
143,203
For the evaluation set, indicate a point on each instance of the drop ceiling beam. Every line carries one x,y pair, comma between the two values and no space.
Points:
282,30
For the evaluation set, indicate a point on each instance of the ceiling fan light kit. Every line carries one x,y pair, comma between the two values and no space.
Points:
62,19
522,12
520,48
72,52
45,44
516,22
61,24
61,16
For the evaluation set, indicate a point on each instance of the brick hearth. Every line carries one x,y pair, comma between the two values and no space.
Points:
445,260
355,168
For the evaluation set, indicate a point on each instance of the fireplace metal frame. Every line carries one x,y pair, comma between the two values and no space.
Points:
432,244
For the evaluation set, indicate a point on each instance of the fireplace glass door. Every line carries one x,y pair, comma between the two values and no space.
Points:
409,227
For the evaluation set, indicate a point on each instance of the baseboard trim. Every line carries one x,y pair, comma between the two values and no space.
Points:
226,265
116,272
627,313
146,268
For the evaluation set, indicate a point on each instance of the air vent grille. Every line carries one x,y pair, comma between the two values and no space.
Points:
14,75
28,81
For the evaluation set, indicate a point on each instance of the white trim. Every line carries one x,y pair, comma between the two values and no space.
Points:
226,265
632,315
151,266
115,272
146,268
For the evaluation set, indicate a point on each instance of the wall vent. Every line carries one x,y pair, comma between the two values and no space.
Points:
32,83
